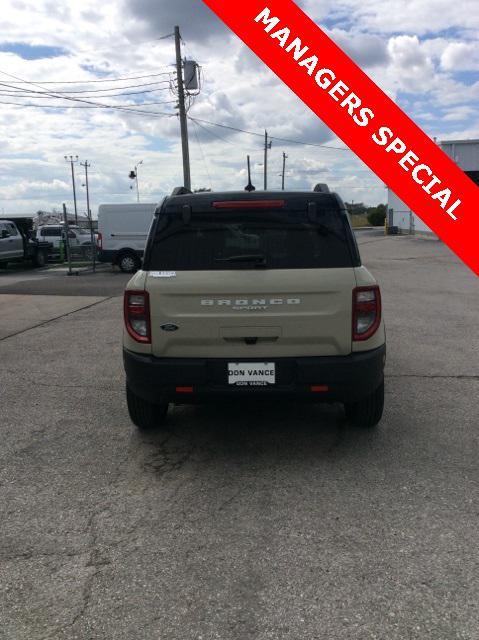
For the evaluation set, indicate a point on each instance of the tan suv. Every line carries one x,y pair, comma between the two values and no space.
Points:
253,294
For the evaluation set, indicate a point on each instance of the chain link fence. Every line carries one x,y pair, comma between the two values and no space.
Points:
78,255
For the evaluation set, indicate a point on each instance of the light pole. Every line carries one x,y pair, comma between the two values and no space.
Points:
72,160
134,176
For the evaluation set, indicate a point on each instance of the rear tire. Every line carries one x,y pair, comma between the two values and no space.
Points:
40,259
145,415
129,262
367,412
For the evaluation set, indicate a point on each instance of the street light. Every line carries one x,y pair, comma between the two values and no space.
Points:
134,176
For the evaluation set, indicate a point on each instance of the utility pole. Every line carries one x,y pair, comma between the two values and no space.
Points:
86,165
267,145
72,161
66,239
284,170
182,109
88,213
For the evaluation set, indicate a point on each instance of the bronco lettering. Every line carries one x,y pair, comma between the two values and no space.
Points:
243,302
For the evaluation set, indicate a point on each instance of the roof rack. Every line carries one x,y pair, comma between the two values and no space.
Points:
321,187
180,191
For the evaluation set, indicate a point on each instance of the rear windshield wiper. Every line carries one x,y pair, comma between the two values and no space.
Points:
258,259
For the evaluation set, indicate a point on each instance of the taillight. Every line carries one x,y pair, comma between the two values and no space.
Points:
366,312
137,315
99,241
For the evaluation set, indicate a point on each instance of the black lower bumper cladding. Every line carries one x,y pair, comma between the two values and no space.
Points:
340,378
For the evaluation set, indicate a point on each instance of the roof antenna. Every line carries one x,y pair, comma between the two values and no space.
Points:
249,187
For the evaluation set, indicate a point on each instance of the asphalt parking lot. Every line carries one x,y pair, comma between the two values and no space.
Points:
239,522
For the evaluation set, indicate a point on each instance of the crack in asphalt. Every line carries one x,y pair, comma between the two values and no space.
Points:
32,554
95,562
163,463
94,558
63,315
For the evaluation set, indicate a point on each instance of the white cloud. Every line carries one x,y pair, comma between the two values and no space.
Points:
459,114
418,17
460,56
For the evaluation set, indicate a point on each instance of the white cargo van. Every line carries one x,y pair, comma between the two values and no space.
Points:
122,233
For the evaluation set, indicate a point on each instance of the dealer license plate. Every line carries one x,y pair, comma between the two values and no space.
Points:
251,374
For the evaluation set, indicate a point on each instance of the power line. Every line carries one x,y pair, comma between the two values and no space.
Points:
202,153
150,75
212,133
261,135
128,109
209,131
68,106
82,100
82,91
39,95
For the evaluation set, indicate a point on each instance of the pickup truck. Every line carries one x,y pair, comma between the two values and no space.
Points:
18,244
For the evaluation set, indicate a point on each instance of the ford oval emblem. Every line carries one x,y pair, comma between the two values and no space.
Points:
169,327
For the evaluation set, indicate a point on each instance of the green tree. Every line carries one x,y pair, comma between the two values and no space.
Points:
355,208
377,215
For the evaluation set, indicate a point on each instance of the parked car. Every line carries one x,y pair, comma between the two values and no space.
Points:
18,244
253,295
52,233
122,234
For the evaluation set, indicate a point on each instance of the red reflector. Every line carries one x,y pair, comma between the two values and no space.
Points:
249,204
136,310
184,389
320,388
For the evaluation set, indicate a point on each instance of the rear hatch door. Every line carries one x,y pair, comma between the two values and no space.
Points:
252,282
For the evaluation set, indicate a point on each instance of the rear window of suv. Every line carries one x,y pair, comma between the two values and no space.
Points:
289,237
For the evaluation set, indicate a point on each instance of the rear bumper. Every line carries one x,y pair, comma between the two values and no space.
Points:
347,378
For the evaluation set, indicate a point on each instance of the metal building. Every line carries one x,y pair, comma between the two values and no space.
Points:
466,154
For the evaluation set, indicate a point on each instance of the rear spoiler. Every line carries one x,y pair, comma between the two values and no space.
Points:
180,191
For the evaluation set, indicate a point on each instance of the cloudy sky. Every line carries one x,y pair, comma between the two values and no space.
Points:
424,53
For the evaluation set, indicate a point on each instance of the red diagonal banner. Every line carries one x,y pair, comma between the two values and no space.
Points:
363,116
